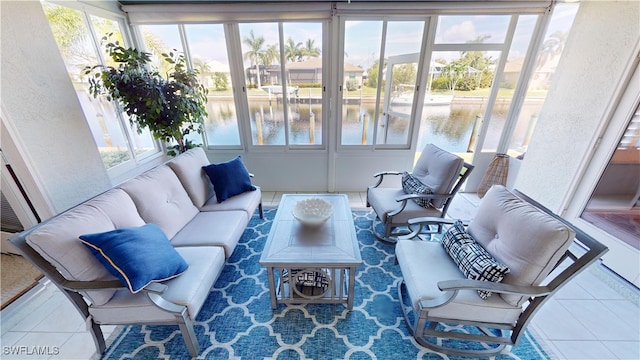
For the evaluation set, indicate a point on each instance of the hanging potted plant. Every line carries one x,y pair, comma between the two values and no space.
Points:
171,107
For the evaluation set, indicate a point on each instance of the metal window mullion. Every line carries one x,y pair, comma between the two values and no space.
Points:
185,45
523,81
495,86
428,38
283,76
376,120
238,82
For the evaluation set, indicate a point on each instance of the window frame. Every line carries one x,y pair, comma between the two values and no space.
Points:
121,170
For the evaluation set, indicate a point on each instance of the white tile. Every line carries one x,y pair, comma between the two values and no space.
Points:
596,287
573,291
36,345
65,318
599,320
625,310
267,197
583,350
11,337
79,346
624,349
34,317
553,322
107,330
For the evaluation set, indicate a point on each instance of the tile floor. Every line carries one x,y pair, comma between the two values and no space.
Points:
597,316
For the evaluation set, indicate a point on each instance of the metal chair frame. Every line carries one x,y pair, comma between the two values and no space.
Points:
393,230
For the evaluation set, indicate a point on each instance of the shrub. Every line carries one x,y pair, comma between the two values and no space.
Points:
352,85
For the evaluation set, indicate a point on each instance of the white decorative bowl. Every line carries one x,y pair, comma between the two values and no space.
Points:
312,211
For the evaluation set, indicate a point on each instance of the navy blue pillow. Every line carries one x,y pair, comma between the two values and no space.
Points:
229,178
136,255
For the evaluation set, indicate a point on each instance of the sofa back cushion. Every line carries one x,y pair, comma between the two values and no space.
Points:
438,170
521,236
161,199
188,168
57,240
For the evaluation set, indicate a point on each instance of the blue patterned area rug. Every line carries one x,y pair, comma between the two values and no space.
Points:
237,322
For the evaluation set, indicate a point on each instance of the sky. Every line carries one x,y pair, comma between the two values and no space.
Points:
363,38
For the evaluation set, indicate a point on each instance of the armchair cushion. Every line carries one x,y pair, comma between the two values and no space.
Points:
418,261
521,236
471,258
412,185
229,178
137,256
438,169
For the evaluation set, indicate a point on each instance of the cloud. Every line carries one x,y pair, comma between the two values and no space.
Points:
459,33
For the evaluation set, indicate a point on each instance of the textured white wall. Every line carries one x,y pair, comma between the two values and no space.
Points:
40,102
597,51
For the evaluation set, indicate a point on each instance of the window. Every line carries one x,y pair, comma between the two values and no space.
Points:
380,74
542,74
614,205
209,55
283,67
78,35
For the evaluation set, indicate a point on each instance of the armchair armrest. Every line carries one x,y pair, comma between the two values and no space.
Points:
451,288
426,221
468,284
73,285
423,196
155,288
380,176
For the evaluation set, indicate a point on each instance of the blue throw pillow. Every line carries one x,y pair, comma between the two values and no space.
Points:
136,255
229,178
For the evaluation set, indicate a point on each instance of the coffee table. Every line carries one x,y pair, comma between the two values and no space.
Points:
312,265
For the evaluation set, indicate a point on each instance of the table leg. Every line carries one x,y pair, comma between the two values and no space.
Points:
272,287
352,287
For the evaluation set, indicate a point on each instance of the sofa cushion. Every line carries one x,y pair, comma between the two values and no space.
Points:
438,169
136,255
213,228
57,240
188,168
189,289
161,199
229,178
471,258
519,235
411,185
418,259
247,202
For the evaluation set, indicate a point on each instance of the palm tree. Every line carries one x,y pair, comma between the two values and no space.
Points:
310,50
202,68
270,55
292,50
255,53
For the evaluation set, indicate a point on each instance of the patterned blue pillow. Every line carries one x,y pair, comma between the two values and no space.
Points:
471,258
411,185
229,178
136,255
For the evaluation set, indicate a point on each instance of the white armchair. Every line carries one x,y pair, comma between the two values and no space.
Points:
437,171
519,233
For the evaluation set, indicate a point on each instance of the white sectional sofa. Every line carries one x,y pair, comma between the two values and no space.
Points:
177,197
